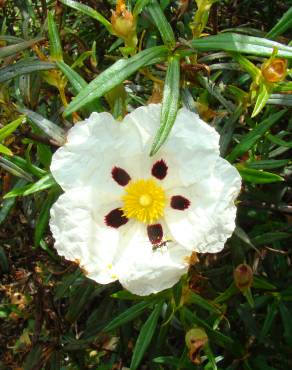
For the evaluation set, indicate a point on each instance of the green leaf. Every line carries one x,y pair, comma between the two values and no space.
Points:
270,237
10,128
23,67
261,283
140,4
200,301
45,182
7,51
128,315
247,65
161,23
44,216
145,336
14,169
276,140
251,138
78,84
267,164
49,128
55,43
282,25
4,265
8,204
27,167
85,9
262,98
281,99
80,300
256,176
241,44
269,319
114,75
287,322
169,103
5,150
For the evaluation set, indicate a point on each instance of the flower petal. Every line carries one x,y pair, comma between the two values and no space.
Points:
81,234
93,148
144,270
191,149
210,220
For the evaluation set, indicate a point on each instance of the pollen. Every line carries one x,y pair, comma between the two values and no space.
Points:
144,200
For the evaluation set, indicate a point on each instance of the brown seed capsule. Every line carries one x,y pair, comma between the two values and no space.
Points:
274,69
243,277
196,339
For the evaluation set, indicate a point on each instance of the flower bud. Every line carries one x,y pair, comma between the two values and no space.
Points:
274,69
243,277
196,339
124,24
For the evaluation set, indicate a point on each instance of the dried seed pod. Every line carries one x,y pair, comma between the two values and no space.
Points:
243,277
196,339
274,69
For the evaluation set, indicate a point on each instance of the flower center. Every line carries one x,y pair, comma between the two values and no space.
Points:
143,200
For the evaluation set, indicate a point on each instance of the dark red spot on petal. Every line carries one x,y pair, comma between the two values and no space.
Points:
155,233
115,218
120,176
159,169
179,202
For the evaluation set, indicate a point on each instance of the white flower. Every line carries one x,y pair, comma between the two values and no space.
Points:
137,219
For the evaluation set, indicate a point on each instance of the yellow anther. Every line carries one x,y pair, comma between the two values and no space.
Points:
144,200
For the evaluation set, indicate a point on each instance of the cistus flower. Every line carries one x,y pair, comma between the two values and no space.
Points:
137,219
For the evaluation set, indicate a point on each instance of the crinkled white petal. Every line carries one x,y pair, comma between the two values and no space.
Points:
191,148
81,235
93,148
210,220
144,271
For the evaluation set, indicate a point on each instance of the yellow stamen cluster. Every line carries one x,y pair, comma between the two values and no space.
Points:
144,200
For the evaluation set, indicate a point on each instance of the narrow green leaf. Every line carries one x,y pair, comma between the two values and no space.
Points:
45,182
267,164
10,128
169,103
78,84
115,75
270,237
49,128
5,150
287,322
162,23
145,336
262,98
281,99
4,265
250,139
7,51
256,176
247,65
27,167
55,43
44,216
85,9
269,319
276,140
261,283
282,25
14,169
80,300
8,204
200,301
242,44
140,4
23,67
128,315
11,39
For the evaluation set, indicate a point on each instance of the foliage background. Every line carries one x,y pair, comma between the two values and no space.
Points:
52,316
